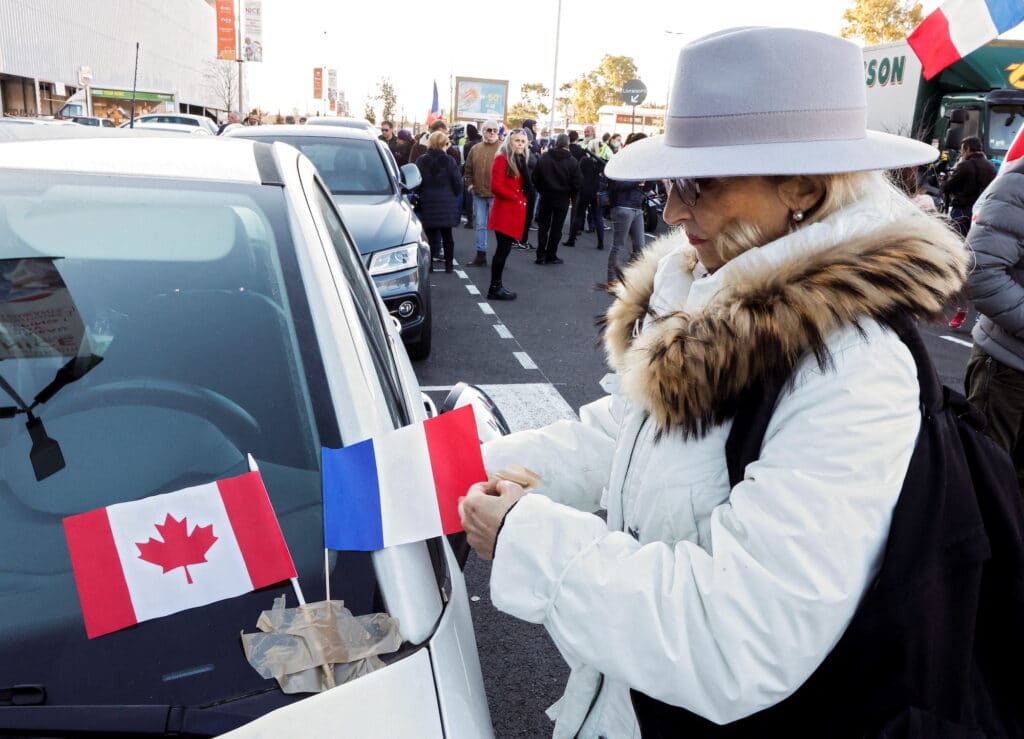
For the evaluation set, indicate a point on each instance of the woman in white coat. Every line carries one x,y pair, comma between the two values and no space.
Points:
705,597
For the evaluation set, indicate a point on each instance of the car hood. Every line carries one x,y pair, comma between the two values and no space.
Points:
378,221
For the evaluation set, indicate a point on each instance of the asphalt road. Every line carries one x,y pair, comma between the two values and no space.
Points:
539,359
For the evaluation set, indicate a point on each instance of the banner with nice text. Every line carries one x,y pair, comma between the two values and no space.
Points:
226,34
252,31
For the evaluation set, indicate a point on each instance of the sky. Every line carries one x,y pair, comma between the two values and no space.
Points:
416,43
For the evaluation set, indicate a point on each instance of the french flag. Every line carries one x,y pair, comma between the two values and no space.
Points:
958,27
156,556
435,110
403,486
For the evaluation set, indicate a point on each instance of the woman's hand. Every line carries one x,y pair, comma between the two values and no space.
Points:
483,510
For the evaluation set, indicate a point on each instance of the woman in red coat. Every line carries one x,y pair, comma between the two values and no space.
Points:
511,186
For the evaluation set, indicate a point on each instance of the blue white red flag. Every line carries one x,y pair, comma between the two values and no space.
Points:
958,27
402,486
435,110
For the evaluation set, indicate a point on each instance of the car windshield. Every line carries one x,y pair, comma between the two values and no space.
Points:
1003,124
348,166
159,332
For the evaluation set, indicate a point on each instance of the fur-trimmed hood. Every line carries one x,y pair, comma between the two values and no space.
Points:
691,367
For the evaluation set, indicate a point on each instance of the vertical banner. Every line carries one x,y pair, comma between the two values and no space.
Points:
318,83
226,38
332,87
253,31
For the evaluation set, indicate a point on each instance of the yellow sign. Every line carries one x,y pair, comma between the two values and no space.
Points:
1016,77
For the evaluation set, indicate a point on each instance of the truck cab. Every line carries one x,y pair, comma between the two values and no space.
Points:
994,117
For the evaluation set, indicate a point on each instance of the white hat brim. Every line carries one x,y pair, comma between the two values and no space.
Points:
652,158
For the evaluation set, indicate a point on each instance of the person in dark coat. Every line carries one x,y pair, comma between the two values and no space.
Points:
591,171
970,178
402,148
473,137
557,179
440,197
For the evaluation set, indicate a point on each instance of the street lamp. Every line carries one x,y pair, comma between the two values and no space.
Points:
554,74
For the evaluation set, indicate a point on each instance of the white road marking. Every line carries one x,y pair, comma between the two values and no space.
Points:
472,289
529,405
957,341
503,331
526,405
524,359
461,274
486,309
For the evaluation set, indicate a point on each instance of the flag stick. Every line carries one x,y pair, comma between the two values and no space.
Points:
253,467
327,573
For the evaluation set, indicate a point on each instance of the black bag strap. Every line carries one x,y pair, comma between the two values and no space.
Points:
758,404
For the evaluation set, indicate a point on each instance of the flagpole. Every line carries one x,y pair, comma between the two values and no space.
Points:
253,467
327,572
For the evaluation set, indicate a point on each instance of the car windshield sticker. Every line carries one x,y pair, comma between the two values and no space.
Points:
38,317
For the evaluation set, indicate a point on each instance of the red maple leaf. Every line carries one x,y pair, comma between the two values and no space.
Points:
179,548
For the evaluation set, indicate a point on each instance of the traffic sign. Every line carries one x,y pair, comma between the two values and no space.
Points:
634,92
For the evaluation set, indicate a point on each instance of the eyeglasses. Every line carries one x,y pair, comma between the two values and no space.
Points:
386,130
490,130
518,130
686,188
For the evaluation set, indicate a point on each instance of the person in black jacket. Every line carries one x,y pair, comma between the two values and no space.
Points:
970,178
591,172
557,179
627,201
439,202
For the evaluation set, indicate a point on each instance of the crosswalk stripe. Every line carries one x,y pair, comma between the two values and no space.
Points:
524,359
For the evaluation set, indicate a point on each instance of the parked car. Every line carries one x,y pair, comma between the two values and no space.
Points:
93,120
181,119
370,189
344,122
167,127
208,303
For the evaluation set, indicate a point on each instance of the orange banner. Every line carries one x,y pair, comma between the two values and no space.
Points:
318,82
226,34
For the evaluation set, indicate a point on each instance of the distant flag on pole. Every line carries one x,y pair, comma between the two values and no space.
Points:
958,27
166,553
435,110
403,486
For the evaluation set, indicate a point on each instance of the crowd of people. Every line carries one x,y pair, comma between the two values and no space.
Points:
515,181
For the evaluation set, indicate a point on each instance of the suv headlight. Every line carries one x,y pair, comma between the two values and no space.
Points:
394,259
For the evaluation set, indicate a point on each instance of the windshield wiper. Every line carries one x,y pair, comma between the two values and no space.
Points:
45,454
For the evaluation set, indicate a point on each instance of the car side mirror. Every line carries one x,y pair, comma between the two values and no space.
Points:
490,424
411,177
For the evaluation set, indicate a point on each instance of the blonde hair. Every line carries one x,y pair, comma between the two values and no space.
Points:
511,168
438,140
839,192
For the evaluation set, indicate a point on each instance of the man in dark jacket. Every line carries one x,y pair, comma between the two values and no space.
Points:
577,151
995,372
472,137
557,179
970,178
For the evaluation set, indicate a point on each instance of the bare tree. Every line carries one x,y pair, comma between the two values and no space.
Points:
222,81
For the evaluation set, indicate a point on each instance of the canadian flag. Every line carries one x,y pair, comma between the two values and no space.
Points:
163,554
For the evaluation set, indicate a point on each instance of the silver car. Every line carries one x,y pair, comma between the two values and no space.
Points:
212,305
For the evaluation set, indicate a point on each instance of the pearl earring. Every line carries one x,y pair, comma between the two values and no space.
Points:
798,215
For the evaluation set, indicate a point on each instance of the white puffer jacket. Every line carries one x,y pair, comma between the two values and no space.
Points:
724,601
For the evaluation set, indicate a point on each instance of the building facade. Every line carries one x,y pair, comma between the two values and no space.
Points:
46,44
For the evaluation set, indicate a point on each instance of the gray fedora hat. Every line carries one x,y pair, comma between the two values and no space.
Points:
767,101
